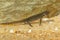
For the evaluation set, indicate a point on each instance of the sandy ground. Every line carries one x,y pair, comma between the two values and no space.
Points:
48,30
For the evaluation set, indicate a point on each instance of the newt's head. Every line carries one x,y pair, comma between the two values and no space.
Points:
51,11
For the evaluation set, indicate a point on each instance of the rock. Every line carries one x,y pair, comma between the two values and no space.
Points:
17,10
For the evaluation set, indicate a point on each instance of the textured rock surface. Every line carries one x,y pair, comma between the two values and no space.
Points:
16,10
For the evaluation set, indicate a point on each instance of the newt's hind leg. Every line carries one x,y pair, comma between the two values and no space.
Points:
27,22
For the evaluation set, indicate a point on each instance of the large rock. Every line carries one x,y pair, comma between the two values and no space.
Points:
17,10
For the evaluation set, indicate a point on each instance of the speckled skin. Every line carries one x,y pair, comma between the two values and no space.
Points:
17,10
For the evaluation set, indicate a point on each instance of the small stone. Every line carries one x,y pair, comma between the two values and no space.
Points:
50,22
29,31
11,31
45,19
56,29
